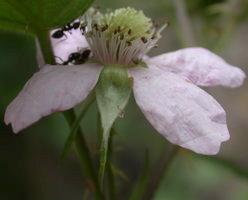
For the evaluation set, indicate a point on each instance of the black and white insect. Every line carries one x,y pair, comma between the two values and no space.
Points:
68,27
77,58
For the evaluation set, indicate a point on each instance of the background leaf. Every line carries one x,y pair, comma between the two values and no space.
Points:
139,188
30,15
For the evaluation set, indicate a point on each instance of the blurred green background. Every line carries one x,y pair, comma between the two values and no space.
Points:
30,167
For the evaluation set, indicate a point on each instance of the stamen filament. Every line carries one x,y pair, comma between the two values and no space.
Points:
120,37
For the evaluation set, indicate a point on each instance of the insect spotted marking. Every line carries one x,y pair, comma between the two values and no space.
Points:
67,28
77,58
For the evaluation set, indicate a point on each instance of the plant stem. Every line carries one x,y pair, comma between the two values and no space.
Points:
230,26
99,130
80,144
184,20
76,124
84,155
157,176
111,178
46,47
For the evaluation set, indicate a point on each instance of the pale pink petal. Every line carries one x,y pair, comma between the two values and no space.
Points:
201,66
52,89
73,41
180,111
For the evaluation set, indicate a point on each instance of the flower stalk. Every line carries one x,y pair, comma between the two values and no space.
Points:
111,177
84,155
80,143
46,47
184,22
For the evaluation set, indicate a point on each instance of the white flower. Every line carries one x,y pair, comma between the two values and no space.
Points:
166,90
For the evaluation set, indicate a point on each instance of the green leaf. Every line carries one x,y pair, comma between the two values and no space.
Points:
112,94
139,188
30,15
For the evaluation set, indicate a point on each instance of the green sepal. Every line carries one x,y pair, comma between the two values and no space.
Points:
39,15
112,94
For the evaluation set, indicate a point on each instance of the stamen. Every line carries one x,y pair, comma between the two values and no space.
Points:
121,37
115,31
96,26
104,28
129,43
129,32
154,37
144,40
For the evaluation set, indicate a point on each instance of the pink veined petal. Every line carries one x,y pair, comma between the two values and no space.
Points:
73,41
201,66
52,89
180,111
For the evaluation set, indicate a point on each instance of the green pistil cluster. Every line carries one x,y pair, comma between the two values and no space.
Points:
130,22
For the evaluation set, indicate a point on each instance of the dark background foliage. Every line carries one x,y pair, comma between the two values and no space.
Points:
29,162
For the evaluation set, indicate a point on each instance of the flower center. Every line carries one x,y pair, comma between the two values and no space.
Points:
120,37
